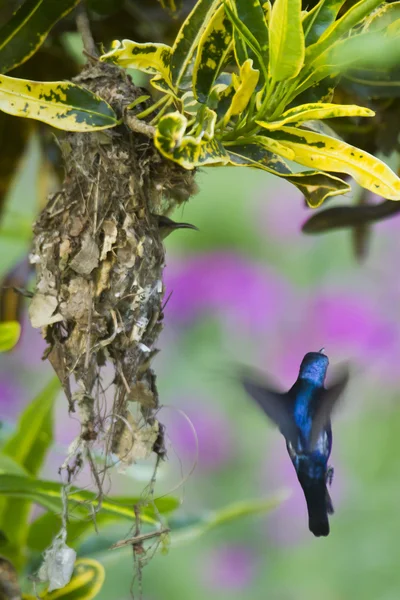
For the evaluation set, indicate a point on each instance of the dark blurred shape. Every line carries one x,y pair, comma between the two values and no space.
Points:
9,587
12,291
303,417
342,217
167,226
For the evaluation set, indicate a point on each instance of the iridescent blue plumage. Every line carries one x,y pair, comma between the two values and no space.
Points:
303,417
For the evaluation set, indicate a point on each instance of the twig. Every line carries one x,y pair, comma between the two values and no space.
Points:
83,26
139,538
139,126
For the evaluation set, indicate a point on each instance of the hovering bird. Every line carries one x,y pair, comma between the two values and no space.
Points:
303,417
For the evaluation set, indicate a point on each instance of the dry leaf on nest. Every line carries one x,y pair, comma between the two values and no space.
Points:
110,237
136,442
42,309
87,258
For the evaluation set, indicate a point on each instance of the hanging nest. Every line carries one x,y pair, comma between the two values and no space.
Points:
99,261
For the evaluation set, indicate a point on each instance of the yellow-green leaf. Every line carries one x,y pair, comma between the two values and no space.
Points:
86,582
382,18
244,86
27,29
9,335
186,150
60,104
214,48
273,146
187,40
286,40
315,186
149,58
309,112
329,154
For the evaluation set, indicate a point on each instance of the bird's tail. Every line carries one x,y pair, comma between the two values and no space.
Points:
319,505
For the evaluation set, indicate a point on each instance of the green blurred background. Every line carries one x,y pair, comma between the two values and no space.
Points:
251,288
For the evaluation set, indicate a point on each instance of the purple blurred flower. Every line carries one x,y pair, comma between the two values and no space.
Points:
215,438
229,567
240,292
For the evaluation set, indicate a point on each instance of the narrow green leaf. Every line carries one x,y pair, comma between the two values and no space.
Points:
214,48
340,27
9,466
309,112
252,15
49,494
244,32
27,29
196,527
9,335
44,528
30,444
315,186
149,58
28,447
317,21
286,40
329,154
63,105
188,38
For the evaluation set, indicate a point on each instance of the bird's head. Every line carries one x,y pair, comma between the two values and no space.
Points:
313,367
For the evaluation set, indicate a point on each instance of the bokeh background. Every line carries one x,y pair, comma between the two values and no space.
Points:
250,288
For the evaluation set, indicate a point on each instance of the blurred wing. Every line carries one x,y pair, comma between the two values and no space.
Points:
277,406
327,402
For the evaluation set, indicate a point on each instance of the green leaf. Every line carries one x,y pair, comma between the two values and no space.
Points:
9,335
45,527
252,18
329,154
308,112
286,40
63,105
28,447
188,38
252,15
31,442
246,36
317,21
86,582
340,27
186,150
27,29
214,48
149,58
198,526
49,495
315,186
8,466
